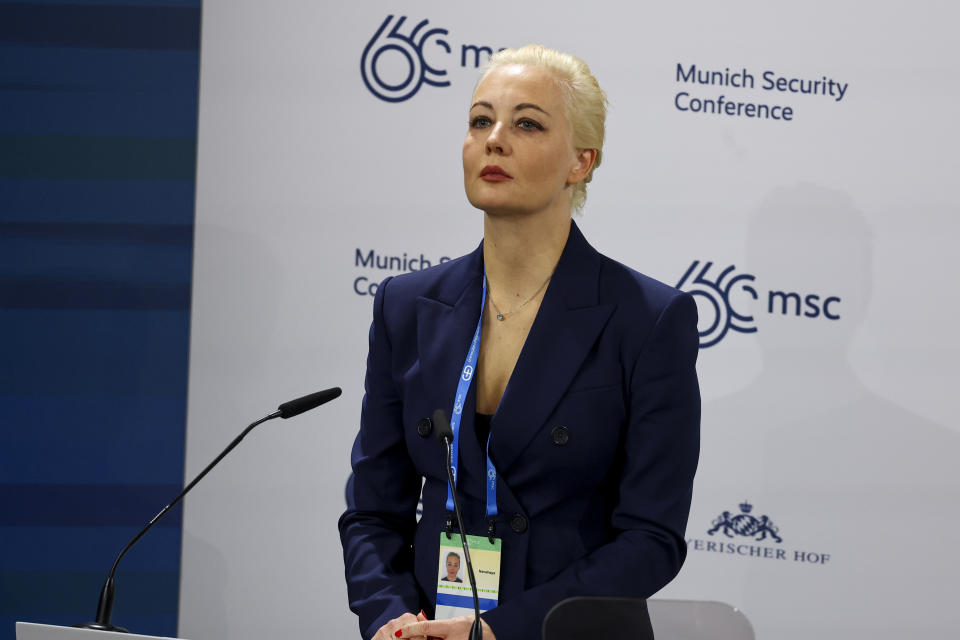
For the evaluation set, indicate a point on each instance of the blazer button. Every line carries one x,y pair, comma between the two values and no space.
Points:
518,523
560,435
424,427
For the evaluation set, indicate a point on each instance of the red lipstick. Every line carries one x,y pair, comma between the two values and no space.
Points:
493,173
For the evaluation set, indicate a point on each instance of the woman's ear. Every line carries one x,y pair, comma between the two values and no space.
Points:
584,162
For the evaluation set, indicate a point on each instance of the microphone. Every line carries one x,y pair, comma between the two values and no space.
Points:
445,435
312,401
441,425
285,410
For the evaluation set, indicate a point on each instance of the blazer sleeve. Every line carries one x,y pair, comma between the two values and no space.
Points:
378,526
662,444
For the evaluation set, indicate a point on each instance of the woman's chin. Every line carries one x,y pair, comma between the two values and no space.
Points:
499,209
511,208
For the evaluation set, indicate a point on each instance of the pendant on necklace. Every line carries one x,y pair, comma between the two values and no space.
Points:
500,316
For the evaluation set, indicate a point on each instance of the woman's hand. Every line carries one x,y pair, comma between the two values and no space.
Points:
389,630
452,629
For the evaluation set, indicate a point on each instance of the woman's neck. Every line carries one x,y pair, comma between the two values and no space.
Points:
521,252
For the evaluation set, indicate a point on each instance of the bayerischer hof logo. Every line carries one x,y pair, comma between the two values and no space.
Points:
744,524
740,534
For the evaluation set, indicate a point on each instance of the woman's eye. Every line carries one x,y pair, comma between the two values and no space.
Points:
529,125
480,122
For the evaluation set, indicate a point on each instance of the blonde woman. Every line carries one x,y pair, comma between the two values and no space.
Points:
582,396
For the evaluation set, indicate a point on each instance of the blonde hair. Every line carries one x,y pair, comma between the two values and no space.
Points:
585,102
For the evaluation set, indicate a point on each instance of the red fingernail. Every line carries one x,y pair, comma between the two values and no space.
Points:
399,633
422,613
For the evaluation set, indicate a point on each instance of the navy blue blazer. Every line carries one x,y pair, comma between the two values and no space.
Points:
597,509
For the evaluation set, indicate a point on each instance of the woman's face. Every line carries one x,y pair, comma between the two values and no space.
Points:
518,156
453,566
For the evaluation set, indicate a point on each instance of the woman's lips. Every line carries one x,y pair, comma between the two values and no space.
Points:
493,173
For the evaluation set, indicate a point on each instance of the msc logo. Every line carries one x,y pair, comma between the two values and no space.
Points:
725,291
745,524
411,48
717,293
467,373
410,52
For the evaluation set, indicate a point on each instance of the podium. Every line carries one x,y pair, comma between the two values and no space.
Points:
636,619
608,618
572,619
31,631
698,620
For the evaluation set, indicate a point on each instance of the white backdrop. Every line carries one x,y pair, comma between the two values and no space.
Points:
841,431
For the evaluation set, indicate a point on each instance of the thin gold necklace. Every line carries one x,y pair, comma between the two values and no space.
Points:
503,316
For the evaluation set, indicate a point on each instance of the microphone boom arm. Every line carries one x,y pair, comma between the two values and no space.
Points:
285,410
105,605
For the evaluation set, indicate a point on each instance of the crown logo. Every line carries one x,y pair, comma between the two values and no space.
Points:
744,524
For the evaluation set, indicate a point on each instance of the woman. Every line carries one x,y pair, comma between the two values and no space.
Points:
452,566
584,390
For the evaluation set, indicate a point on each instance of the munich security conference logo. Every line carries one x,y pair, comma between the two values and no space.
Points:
388,48
717,292
726,293
744,524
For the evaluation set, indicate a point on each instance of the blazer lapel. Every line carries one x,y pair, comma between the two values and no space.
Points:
567,325
446,320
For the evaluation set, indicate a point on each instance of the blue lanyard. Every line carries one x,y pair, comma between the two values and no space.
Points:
463,386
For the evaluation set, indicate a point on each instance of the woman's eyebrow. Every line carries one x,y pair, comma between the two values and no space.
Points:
528,105
519,107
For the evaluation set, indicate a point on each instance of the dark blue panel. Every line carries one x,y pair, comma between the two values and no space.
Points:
94,266
141,595
101,354
119,3
92,438
61,91
88,548
24,293
102,26
46,69
149,113
93,233
93,253
97,201
91,505
97,164
97,157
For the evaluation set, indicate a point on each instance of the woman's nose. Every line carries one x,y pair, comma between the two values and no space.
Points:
496,142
